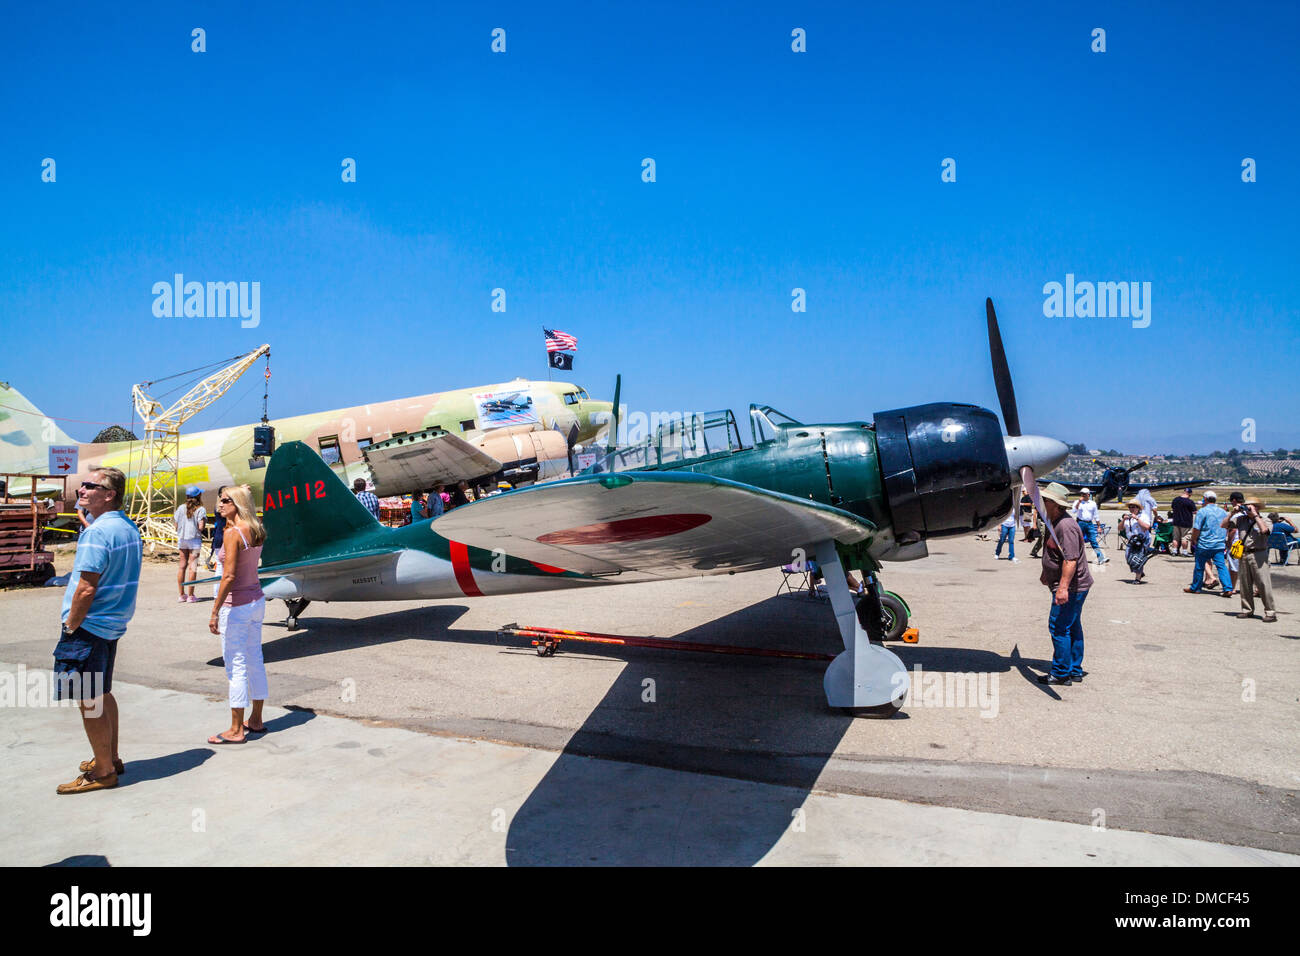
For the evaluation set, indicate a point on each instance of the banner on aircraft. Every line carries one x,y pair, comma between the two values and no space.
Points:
499,409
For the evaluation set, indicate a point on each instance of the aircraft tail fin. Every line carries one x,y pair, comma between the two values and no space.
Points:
26,433
307,509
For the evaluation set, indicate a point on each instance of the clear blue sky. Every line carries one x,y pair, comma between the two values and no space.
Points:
775,170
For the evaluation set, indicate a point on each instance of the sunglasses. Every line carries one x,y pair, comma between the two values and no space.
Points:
90,485
225,501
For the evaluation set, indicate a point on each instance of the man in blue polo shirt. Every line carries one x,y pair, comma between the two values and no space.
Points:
97,606
1209,541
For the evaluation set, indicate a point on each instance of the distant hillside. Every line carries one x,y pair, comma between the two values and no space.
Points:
1231,467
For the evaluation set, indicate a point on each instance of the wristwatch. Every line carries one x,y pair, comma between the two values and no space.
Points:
66,631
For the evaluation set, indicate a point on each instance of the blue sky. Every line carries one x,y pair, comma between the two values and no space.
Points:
775,170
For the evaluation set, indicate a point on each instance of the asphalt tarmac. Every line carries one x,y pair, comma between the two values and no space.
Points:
1184,727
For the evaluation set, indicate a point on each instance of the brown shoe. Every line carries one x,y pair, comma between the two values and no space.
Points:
84,784
1270,618
1245,614
88,766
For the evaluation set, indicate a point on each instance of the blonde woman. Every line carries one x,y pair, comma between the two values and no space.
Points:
190,518
237,614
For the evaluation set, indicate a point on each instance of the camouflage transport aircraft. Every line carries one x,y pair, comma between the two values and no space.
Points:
693,499
456,435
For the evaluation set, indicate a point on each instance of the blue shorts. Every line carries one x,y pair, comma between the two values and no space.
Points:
83,665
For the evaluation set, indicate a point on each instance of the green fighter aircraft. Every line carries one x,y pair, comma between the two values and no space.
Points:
691,500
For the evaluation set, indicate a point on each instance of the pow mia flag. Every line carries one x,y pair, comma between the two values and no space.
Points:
561,361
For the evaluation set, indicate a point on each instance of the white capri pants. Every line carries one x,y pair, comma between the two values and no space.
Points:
241,648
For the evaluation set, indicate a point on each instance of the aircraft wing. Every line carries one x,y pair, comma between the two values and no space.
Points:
418,462
649,525
1074,486
1136,486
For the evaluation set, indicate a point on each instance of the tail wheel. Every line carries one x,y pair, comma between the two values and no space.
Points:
893,616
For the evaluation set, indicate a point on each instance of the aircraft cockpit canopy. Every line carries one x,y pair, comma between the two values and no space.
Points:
678,438
764,421
574,397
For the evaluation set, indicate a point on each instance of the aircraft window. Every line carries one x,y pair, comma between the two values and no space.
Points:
329,450
364,443
678,439
467,425
698,434
570,398
582,394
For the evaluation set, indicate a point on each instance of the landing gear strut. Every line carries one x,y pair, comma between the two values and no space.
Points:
296,606
865,679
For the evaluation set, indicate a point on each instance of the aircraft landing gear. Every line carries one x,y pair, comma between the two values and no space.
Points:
893,614
865,679
296,606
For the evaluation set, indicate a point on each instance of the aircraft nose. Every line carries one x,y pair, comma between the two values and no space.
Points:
596,415
1039,452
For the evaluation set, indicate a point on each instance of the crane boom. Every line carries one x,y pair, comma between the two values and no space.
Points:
156,488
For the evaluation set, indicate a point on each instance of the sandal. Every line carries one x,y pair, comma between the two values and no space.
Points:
85,783
89,765
254,730
222,739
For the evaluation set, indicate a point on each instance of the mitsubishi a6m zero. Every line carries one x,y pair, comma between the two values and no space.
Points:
692,500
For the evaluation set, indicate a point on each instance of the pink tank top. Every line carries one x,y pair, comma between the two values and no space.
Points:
246,588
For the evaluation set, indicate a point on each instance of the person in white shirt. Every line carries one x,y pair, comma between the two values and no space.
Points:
1137,531
190,518
1086,512
1007,535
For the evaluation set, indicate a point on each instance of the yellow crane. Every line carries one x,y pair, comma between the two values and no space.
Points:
156,494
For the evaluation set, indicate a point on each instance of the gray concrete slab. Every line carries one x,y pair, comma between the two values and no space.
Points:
321,790
1185,725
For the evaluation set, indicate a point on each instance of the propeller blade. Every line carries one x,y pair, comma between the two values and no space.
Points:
1002,373
612,439
1031,485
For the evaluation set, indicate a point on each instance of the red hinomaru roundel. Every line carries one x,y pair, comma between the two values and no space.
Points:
628,529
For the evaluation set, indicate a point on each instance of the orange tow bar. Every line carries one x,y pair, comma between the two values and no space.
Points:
547,640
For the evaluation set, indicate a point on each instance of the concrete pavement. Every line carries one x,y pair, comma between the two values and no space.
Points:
330,791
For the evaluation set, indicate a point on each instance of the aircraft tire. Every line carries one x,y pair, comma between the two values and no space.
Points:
895,617
879,712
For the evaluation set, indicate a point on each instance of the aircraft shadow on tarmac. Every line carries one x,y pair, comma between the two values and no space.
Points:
740,720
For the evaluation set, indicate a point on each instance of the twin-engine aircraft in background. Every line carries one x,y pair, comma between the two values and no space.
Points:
693,499
409,444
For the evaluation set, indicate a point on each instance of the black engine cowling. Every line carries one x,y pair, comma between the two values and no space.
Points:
945,469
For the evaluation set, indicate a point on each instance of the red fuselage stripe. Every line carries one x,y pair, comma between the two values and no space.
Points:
464,575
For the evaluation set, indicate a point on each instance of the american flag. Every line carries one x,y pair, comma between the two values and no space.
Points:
557,341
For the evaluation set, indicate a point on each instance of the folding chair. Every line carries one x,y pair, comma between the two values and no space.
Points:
1278,541
801,576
